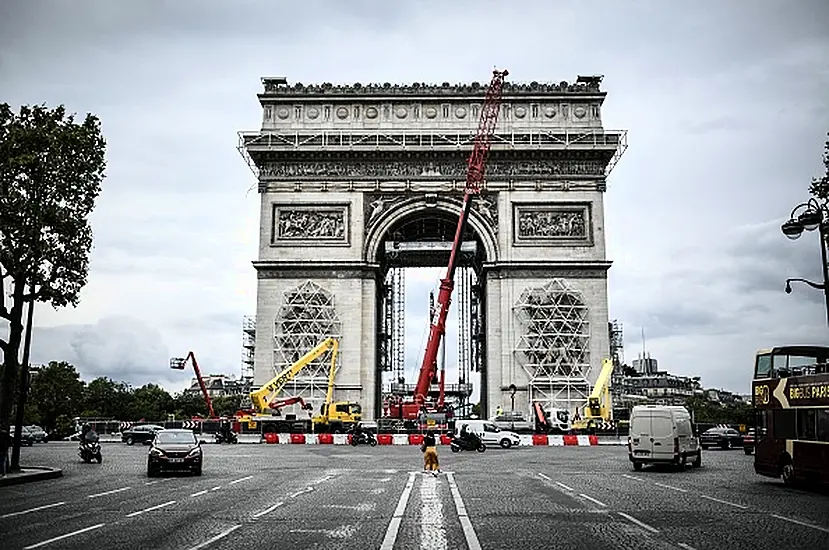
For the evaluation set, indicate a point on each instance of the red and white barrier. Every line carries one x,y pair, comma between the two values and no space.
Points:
526,440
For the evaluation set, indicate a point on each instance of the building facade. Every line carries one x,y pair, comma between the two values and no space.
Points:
354,180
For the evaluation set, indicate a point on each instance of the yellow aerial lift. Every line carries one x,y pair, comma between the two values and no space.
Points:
335,417
599,406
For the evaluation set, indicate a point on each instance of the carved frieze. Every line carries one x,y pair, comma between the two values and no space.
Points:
415,169
310,224
280,86
485,204
552,223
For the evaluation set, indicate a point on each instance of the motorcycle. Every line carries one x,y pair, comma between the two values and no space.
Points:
470,443
89,450
226,438
364,438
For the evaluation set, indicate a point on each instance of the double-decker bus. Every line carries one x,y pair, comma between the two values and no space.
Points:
790,392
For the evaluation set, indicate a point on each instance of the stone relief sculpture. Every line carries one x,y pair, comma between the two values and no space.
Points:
449,169
306,224
551,223
377,205
281,87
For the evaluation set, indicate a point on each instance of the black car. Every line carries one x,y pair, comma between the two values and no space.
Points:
140,434
727,438
175,450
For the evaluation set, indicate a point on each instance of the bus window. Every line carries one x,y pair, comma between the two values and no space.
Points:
823,425
806,427
762,369
760,424
784,424
780,366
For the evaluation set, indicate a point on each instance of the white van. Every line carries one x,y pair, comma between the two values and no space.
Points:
662,435
489,433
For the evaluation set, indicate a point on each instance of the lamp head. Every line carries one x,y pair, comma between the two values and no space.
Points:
792,229
788,288
810,220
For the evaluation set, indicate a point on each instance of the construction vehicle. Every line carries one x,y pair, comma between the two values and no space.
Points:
599,407
411,407
334,416
178,363
551,420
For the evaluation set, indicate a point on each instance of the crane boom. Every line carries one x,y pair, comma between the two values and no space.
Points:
474,178
179,363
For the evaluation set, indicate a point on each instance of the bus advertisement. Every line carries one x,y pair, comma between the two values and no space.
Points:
790,392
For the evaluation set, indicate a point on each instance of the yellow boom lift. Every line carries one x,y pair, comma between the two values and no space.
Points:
334,417
599,406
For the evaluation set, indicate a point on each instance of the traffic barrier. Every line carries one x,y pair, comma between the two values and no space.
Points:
570,440
540,439
384,439
415,439
326,439
297,439
529,440
271,437
400,439
445,439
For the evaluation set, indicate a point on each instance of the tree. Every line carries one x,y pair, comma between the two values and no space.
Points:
107,398
151,402
820,186
57,391
227,405
51,170
188,405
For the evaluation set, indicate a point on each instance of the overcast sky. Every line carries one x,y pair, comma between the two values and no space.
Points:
726,103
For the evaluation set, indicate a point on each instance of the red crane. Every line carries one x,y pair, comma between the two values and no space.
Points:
474,179
179,363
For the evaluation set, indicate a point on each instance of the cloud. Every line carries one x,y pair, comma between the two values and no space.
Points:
726,110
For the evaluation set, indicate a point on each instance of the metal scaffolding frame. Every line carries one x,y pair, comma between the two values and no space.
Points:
248,346
307,317
617,344
554,346
398,333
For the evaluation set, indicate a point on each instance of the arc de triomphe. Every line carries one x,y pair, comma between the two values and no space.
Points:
347,172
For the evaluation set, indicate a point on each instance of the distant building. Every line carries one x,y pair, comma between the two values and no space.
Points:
661,388
219,385
645,365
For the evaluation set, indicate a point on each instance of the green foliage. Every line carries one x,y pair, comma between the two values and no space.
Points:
227,406
820,186
109,399
151,402
56,391
188,405
709,412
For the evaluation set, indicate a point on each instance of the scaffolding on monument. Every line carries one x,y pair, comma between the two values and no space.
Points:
398,333
307,317
248,346
554,346
617,344
466,346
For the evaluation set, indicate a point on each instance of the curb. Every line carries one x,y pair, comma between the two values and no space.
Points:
34,473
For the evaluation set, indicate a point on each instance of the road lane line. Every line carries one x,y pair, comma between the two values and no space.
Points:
109,492
30,510
158,481
151,508
220,536
324,479
633,477
66,536
240,480
216,488
267,510
397,517
803,523
670,487
725,502
542,476
432,529
641,524
200,493
468,530
591,499
306,490
685,546
565,487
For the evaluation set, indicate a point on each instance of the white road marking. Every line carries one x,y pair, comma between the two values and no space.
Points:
158,481
565,487
633,477
542,476
151,508
341,532
240,480
30,510
670,487
725,502
200,493
397,517
267,510
109,492
803,523
363,507
466,524
324,479
685,546
641,524
216,488
221,535
432,529
66,536
306,490
593,500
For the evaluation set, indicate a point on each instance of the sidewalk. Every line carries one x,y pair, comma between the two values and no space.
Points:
29,474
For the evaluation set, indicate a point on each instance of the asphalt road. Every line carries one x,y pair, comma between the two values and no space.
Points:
302,496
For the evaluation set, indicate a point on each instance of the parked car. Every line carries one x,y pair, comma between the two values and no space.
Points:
39,434
140,434
26,436
175,450
514,422
662,435
727,438
489,433
748,442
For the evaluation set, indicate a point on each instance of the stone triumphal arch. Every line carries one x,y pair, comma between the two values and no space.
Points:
360,181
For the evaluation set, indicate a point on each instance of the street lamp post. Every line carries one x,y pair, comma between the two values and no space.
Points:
813,215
